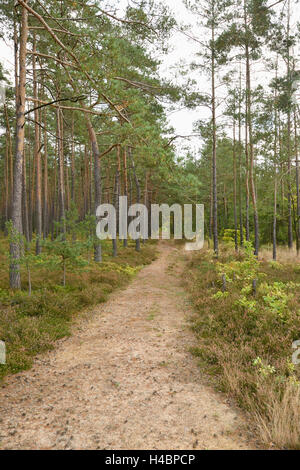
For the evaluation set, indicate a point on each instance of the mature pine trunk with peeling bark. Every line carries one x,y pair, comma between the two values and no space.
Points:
15,246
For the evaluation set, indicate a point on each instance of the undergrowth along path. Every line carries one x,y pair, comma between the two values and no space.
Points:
125,379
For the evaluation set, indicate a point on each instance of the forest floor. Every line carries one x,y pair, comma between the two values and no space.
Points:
125,379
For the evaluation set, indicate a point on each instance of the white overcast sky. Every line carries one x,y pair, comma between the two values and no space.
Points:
182,50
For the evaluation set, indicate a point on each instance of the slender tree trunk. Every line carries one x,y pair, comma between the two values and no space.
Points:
97,181
15,248
251,173
6,172
225,208
214,137
30,184
297,182
138,195
289,125
249,122
86,185
24,202
275,174
8,166
240,168
275,217
247,177
46,201
146,196
116,205
37,158
73,175
211,205
125,242
235,189
61,193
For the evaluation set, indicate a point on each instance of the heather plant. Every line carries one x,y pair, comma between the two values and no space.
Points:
245,341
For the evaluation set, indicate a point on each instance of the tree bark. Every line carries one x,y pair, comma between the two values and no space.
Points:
289,124
15,246
97,181
214,136
37,159
61,193
297,182
251,146
235,190
138,194
46,201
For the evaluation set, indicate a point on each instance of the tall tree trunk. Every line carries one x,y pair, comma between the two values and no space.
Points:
251,148
247,176
116,206
275,174
289,125
138,194
61,192
46,201
249,122
235,190
8,166
15,247
275,216
125,241
297,183
211,205
37,158
240,167
97,181
214,136
24,202
73,176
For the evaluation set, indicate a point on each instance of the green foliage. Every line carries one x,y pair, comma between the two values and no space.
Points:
229,235
243,271
277,296
264,370
245,342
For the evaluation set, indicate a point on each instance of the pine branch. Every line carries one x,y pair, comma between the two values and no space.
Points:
68,51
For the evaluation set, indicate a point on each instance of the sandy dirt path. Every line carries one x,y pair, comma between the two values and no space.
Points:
124,380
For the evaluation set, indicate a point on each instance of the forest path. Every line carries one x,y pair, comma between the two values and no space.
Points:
124,380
